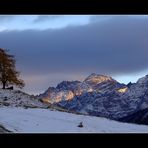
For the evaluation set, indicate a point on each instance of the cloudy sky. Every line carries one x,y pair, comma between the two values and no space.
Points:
53,48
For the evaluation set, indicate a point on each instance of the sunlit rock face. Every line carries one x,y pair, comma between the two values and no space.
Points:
95,79
68,85
101,83
55,95
47,100
65,90
62,95
123,90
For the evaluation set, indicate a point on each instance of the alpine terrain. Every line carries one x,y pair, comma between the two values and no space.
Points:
102,96
72,105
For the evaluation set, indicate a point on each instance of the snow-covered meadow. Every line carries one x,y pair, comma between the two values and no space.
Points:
19,120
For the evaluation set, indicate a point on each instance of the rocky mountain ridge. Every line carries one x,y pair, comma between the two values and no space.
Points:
100,95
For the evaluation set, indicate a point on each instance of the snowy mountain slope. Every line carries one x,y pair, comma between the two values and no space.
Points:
21,120
15,98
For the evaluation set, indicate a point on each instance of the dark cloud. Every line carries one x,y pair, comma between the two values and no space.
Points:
42,18
117,46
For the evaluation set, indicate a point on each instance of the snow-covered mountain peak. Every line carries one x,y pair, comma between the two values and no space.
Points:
95,79
67,85
143,80
68,90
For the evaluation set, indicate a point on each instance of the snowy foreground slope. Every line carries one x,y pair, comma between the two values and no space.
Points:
17,98
20,120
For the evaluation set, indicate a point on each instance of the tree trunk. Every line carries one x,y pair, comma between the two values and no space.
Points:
4,84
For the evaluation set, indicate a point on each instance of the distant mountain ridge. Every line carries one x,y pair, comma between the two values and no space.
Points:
99,95
67,90
81,96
